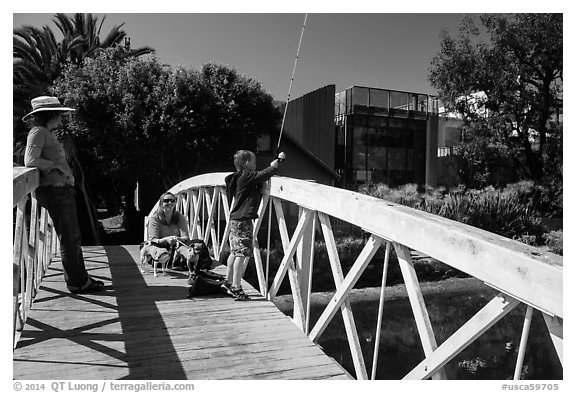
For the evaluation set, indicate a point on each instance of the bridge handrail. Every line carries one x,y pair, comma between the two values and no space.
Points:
523,274
34,243
528,273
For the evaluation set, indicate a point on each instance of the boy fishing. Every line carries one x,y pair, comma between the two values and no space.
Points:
245,186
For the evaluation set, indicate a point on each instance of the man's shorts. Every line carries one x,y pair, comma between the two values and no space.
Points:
241,238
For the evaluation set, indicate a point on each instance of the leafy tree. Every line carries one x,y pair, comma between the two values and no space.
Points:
137,120
509,93
38,57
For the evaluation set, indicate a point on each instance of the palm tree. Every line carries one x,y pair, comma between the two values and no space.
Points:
37,61
87,26
38,58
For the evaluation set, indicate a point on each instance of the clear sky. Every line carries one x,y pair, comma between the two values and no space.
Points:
373,49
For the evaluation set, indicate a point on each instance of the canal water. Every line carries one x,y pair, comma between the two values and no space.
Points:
450,304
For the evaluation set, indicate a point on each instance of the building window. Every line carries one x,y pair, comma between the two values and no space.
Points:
398,104
360,96
381,136
380,101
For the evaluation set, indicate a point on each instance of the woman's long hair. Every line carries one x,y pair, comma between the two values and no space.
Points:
160,212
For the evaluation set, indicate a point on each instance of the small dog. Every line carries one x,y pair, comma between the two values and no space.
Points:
145,256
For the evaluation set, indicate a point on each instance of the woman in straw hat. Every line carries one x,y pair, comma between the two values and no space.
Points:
56,189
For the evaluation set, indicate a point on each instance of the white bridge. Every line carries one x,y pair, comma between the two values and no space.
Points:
521,274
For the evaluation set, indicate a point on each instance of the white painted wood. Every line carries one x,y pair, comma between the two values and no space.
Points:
309,272
33,244
556,329
380,311
347,285
270,207
225,203
28,260
256,248
530,274
523,342
210,231
179,202
419,310
497,308
17,269
46,244
525,272
216,226
227,210
520,271
190,210
287,264
198,209
205,180
185,206
203,212
345,308
53,238
304,260
24,181
261,210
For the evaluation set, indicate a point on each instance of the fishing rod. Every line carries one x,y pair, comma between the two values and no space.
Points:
290,88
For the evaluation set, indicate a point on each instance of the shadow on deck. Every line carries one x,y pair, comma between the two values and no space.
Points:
143,327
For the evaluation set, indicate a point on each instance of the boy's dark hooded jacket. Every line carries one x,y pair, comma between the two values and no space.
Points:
246,187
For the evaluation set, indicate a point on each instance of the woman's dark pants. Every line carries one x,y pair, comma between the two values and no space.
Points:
60,203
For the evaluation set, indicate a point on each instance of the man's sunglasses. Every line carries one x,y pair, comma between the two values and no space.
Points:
166,201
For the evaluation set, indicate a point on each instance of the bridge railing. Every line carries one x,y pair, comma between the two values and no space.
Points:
34,244
522,274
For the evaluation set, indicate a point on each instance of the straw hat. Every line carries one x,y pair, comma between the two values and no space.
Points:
45,103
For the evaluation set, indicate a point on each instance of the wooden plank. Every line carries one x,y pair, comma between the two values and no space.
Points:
256,247
416,298
346,286
287,263
346,308
290,247
380,311
227,209
129,333
523,342
556,329
24,181
305,264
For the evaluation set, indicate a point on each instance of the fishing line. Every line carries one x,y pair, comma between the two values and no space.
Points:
291,81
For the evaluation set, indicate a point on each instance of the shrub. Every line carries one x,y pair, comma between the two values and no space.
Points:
511,212
554,242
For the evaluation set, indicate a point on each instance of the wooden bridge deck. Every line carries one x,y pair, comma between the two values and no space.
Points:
143,327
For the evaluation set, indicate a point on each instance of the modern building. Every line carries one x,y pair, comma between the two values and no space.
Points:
367,135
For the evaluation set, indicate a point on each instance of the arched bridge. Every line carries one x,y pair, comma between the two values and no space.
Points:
143,327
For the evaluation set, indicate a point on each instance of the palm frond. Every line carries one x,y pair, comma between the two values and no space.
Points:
64,24
146,50
114,37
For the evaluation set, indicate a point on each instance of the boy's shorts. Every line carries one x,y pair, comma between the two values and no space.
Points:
241,238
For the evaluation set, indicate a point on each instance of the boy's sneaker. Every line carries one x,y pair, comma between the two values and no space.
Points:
239,294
